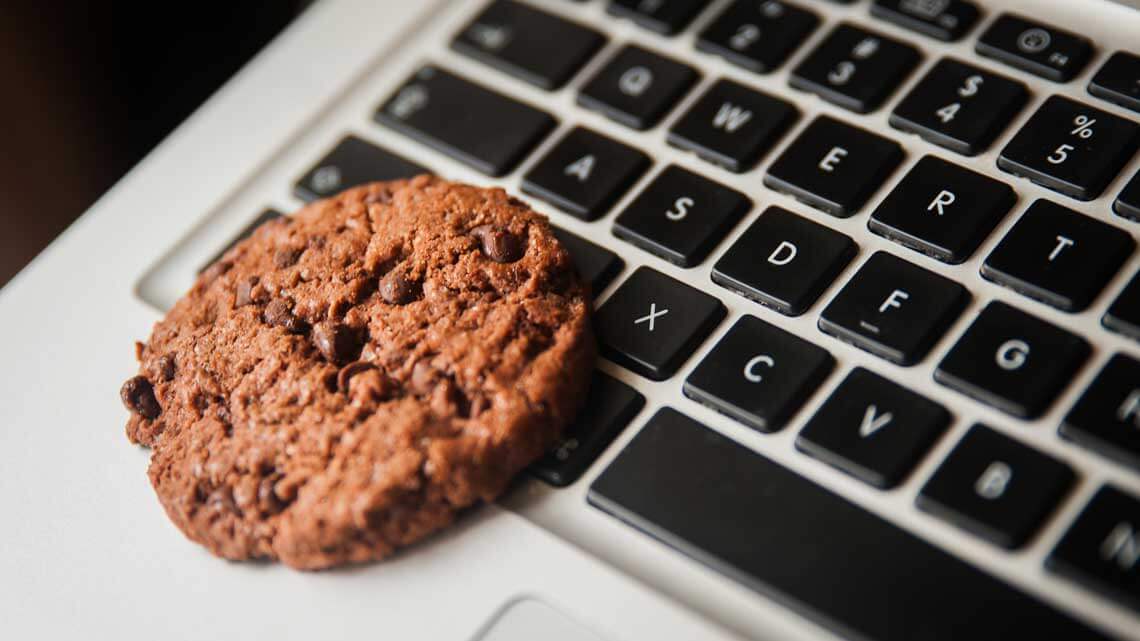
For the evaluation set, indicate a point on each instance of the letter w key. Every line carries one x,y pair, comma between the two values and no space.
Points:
732,125
731,117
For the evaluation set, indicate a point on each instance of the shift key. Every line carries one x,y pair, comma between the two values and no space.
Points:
472,124
797,543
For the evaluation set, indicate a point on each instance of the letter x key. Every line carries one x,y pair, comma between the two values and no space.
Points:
652,323
651,316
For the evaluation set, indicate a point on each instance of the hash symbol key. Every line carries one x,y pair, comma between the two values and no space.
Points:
855,68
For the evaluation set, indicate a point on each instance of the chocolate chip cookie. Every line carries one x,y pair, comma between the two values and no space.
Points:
346,380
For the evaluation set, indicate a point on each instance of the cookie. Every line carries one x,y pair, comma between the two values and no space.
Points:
348,379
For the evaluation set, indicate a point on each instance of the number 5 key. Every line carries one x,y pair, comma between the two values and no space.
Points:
1071,148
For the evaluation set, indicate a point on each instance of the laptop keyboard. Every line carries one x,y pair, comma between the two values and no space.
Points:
726,505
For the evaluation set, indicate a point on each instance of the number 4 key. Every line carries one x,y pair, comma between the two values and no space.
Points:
960,106
1071,148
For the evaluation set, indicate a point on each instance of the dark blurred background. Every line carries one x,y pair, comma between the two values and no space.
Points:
90,87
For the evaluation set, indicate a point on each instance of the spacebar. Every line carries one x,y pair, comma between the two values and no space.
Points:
792,540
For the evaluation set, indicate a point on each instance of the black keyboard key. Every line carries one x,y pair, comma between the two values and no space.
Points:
946,20
873,429
663,16
995,487
1123,316
784,261
637,87
1058,256
791,540
352,162
246,232
855,68
516,39
834,167
1127,204
652,323
596,265
609,406
585,173
1101,550
759,374
758,36
960,106
1118,80
732,125
1071,148
942,210
681,216
491,132
894,309
1107,416
1035,47
1013,361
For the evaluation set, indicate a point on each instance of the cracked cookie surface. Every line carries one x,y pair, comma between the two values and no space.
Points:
346,380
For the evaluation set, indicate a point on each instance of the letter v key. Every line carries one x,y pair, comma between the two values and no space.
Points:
872,423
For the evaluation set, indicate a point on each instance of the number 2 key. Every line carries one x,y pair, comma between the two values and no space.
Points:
1071,148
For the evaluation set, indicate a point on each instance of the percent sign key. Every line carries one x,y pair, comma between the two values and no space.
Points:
1071,148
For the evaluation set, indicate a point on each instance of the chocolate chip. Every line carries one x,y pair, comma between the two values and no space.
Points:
380,197
424,377
279,313
447,397
286,488
222,500
138,396
222,411
475,406
243,293
267,499
337,342
498,244
397,290
370,386
348,371
286,257
166,367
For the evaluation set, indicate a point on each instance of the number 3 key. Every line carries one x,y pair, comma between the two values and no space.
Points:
1071,148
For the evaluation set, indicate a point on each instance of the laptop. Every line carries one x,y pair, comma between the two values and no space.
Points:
867,296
